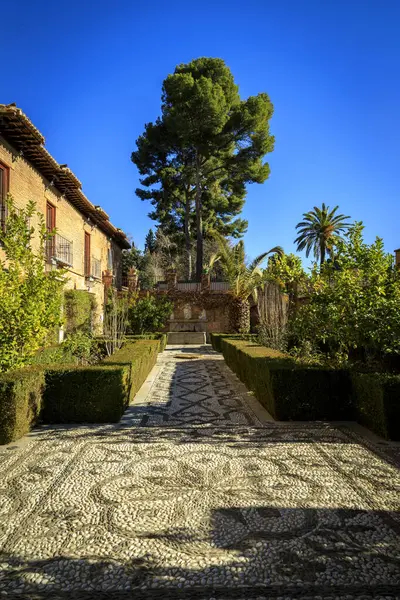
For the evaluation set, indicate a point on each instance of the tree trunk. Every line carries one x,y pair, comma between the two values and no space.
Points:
239,315
199,223
188,241
322,253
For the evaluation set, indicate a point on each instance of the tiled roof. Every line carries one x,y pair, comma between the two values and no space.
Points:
21,133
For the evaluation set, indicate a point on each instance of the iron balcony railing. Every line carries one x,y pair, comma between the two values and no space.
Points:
95,268
59,249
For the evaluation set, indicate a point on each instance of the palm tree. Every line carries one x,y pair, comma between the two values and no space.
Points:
319,230
244,279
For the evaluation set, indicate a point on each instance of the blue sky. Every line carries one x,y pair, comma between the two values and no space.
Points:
89,76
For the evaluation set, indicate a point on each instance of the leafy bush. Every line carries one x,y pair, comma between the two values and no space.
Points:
149,314
79,307
82,348
354,303
20,402
115,321
30,298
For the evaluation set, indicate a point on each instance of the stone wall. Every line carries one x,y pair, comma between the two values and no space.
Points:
25,184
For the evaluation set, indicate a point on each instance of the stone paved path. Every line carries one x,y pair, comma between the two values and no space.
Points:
194,495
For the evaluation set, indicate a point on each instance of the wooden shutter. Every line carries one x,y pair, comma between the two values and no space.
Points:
87,254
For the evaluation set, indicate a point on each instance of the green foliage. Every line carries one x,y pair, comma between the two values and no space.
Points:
150,242
320,230
354,302
20,402
100,393
244,279
79,307
290,391
149,314
52,355
30,298
93,394
216,338
286,270
162,337
82,347
197,158
135,258
377,400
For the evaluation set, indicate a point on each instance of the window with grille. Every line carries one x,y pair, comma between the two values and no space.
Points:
4,177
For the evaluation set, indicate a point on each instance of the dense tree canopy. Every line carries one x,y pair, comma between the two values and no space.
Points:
197,158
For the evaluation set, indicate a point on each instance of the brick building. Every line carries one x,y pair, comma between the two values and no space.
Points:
86,242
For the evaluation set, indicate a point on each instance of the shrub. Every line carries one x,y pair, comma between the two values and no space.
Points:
353,302
216,338
290,391
115,321
30,298
79,307
81,347
377,400
141,356
20,402
149,314
100,393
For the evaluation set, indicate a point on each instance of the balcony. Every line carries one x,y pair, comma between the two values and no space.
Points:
59,250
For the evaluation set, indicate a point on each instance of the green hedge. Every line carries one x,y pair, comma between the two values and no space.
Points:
71,394
377,400
79,306
162,337
52,355
20,402
290,391
99,393
95,394
216,338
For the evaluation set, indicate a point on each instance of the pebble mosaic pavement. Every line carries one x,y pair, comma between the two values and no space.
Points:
191,495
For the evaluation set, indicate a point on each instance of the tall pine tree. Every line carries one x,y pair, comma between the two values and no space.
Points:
197,158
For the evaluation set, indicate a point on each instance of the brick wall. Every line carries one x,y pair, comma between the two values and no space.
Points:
26,183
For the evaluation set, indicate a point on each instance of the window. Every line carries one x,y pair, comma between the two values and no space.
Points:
4,178
50,226
110,259
87,254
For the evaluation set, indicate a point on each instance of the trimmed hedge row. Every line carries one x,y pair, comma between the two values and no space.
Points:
377,400
291,391
71,394
216,338
20,403
162,337
99,393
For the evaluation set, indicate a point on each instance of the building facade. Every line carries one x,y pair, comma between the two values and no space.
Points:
86,243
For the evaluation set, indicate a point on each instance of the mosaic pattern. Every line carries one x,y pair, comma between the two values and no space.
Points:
192,392
200,505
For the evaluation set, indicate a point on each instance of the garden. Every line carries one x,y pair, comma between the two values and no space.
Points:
92,376
333,351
